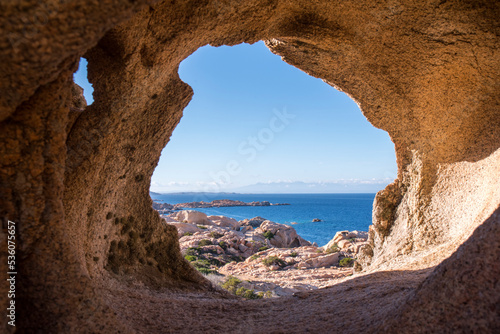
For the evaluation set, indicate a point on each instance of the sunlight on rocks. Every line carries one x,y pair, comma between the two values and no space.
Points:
257,258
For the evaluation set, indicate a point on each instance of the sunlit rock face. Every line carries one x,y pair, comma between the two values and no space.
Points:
76,179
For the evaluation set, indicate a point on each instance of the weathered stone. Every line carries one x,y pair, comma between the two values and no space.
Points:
323,261
192,217
254,222
225,222
183,228
284,236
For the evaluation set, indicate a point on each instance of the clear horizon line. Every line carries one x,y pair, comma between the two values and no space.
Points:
256,193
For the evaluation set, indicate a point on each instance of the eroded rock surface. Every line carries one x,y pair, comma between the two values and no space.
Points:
76,180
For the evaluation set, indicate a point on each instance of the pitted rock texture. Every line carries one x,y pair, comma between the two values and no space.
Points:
91,249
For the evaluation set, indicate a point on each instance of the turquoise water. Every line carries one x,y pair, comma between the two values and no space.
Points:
337,211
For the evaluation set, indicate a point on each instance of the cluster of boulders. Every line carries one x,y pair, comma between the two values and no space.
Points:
264,253
228,236
300,268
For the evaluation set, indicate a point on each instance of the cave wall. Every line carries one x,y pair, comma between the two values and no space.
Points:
77,178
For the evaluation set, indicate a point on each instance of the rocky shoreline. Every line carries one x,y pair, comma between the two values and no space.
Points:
218,203
257,258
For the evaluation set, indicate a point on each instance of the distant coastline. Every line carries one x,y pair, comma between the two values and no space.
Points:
347,186
213,204
251,193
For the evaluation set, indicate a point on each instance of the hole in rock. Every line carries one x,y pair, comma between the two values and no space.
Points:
259,130
80,78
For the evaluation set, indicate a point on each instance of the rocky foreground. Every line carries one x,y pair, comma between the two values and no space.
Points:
259,257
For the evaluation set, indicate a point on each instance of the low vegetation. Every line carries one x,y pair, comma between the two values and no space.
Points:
268,235
232,284
205,242
216,235
195,251
332,249
254,257
190,258
346,262
274,260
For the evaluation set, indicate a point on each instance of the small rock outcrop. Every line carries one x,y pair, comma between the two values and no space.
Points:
280,235
192,217
225,222
253,222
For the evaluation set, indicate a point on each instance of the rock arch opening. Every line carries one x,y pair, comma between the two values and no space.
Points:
425,73
275,123
258,125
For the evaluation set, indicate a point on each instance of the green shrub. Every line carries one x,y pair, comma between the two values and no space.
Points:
352,240
187,234
190,258
268,235
346,262
223,245
274,260
206,271
247,293
202,227
237,258
231,284
195,251
216,235
216,262
209,251
333,249
263,248
201,263
254,257
204,242
202,266
294,254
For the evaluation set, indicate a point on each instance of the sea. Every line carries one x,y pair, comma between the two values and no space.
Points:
337,212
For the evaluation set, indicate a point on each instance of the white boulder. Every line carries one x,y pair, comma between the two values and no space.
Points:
284,236
223,221
192,217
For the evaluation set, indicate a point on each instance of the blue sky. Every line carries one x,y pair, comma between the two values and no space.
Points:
257,124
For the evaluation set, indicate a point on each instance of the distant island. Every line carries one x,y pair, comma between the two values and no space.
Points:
218,203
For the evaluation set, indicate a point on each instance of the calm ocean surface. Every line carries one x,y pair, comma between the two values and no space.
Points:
337,211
